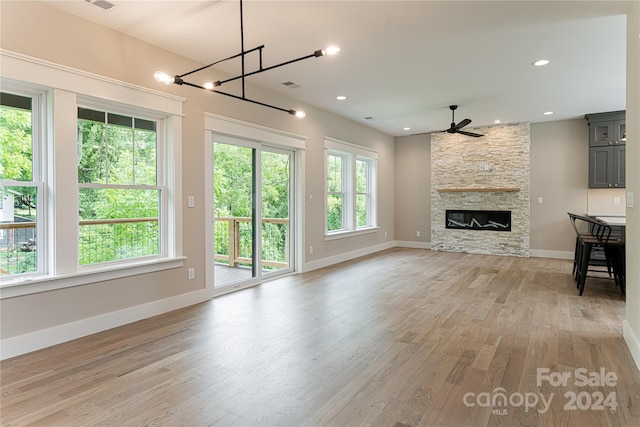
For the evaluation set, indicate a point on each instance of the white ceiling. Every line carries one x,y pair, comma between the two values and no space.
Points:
403,62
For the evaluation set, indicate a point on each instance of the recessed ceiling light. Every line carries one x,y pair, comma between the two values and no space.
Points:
496,121
548,113
341,97
407,128
541,62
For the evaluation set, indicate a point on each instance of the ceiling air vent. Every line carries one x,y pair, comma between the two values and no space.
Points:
291,85
102,4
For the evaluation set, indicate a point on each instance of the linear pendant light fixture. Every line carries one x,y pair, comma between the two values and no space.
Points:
211,86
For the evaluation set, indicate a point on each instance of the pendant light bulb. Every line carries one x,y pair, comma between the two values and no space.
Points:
334,49
163,77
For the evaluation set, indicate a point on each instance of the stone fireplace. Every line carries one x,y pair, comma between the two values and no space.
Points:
471,178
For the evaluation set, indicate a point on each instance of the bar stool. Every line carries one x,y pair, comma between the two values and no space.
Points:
598,235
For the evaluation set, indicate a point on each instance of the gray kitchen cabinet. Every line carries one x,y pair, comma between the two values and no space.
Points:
607,149
607,167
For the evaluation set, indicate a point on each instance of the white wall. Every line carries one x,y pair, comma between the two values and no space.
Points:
48,317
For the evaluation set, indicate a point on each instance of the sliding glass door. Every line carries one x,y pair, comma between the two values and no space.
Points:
252,212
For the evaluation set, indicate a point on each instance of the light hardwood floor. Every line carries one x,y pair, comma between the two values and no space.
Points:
399,338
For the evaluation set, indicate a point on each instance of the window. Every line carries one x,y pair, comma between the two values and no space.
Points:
119,196
21,188
336,196
350,188
364,191
90,178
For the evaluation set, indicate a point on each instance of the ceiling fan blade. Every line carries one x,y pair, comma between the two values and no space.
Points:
463,123
475,135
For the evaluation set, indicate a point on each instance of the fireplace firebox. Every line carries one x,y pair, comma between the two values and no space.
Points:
478,220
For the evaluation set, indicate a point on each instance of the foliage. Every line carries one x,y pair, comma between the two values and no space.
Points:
335,199
117,155
234,196
16,152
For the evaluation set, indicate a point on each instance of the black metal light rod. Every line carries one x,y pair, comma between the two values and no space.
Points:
259,48
261,70
242,45
242,98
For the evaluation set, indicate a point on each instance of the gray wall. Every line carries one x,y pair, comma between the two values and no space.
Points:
559,172
632,325
413,186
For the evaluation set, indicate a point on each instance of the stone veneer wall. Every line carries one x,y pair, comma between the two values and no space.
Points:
456,161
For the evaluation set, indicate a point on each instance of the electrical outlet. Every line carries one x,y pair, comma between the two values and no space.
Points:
191,273
310,249
616,200
540,201
417,234
385,234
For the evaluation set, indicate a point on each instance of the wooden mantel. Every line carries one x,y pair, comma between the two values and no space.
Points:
478,190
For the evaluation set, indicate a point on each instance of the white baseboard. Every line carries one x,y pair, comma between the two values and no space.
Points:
37,340
347,256
412,244
539,253
632,342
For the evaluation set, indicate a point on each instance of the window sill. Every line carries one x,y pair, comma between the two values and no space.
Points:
351,233
31,285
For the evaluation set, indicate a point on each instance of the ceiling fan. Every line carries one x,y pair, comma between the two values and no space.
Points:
455,128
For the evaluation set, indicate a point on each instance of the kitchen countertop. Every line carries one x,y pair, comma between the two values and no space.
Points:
613,220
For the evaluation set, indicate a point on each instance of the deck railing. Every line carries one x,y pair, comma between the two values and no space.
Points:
111,239
230,230
17,247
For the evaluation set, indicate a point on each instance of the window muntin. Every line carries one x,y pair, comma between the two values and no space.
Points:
120,203
21,185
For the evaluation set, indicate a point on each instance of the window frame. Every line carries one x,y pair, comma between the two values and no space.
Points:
370,183
351,153
161,185
344,194
66,88
38,170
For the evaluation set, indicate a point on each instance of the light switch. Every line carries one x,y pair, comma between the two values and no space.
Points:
630,199
191,201
540,200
